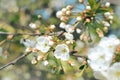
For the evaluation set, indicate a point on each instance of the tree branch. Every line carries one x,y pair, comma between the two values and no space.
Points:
15,61
59,33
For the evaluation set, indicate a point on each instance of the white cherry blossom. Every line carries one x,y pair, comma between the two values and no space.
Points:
59,14
62,25
99,58
43,43
28,43
69,36
69,28
62,52
109,43
113,73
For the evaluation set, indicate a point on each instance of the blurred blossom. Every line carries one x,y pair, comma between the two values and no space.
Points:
109,43
27,43
32,25
69,36
113,73
9,5
100,59
6,78
80,44
45,63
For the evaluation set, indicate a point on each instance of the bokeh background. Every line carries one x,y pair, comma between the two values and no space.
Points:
16,15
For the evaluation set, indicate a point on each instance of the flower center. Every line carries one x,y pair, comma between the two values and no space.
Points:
102,57
117,74
64,50
45,44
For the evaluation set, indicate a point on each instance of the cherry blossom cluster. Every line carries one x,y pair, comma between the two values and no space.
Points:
101,56
92,17
57,51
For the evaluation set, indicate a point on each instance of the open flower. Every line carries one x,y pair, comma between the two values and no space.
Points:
68,36
62,52
28,43
113,73
99,58
109,43
43,43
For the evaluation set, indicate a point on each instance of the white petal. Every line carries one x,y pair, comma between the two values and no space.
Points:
64,57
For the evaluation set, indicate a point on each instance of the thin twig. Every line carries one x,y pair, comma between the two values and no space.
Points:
32,34
9,33
73,53
14,61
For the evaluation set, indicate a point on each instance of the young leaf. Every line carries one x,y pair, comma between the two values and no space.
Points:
81,67
92,3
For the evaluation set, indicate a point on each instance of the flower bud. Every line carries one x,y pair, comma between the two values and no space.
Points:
110,17
32,25
78,30
9,37
64,10
79,18
52,27
34,61
64,18
69,7
88,7
105,23
81,1
100,32
105,29
87,20
59,14
62,25
45,63
39,16
68,13
107,4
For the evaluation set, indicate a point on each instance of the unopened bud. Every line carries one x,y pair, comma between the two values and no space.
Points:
107,4
78,30
79,18
28,50
64,18
100,32
88,7
59,14
9,37
62,25
81,1
105,29
34,61
87,20
69,7
64,10
52,27
39,16
68,13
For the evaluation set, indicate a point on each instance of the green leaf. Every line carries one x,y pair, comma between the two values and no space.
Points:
81,67
98,5
103,10
92,3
